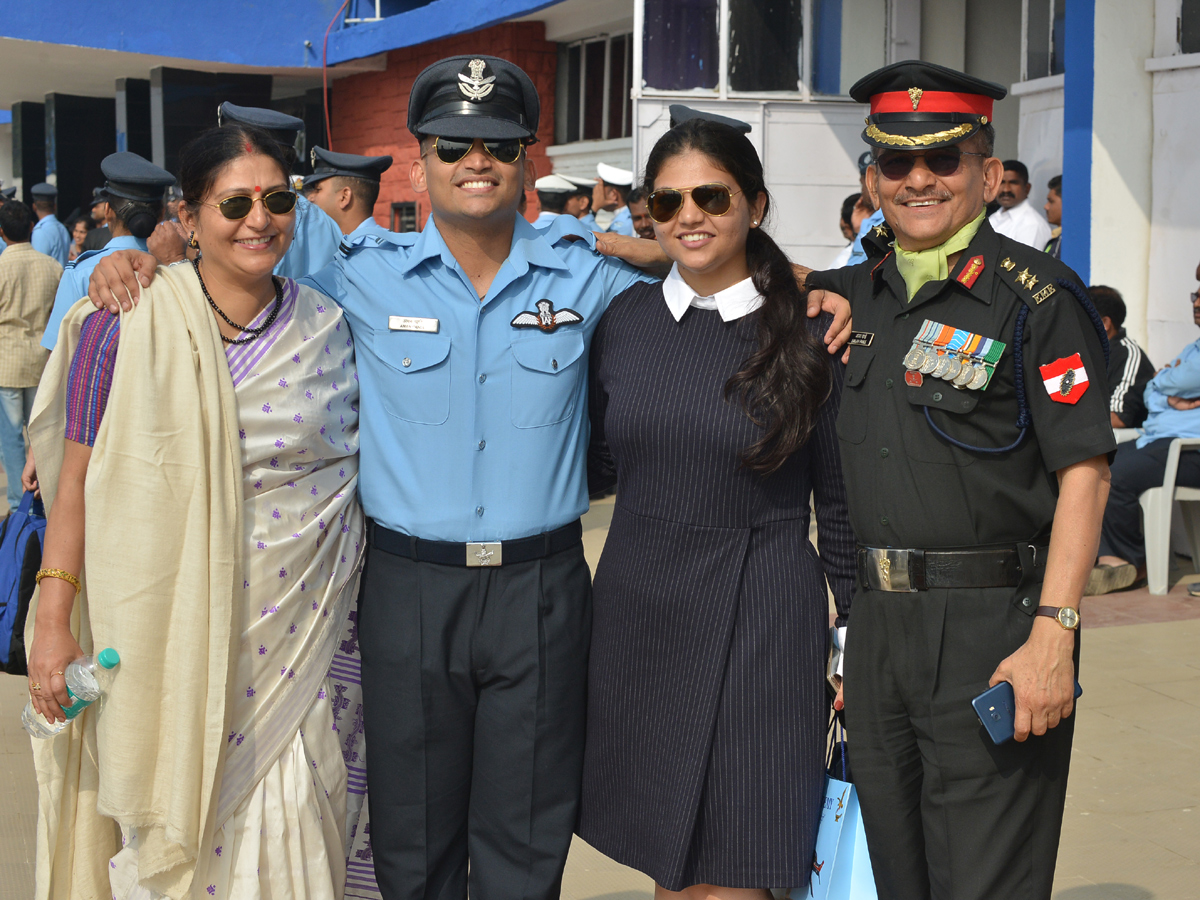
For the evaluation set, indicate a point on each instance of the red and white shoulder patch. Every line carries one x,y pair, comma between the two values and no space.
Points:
1066,379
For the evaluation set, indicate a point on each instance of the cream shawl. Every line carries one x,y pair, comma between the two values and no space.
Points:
166,451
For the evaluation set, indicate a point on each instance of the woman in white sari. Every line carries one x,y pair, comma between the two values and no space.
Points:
205,496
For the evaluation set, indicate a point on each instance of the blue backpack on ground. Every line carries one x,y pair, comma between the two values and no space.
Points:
20,558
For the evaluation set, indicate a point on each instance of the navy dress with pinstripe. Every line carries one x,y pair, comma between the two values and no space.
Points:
707,707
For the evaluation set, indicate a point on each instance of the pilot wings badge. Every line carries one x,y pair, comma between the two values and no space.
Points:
546,318
476,85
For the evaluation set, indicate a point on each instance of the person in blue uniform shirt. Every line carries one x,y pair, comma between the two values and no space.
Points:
471,341
872,224
317,237
345,186
585,213
49,235
612,193
133,190
554,192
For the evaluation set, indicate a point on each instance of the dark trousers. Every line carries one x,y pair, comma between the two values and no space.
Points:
948,814
474,684
1135,471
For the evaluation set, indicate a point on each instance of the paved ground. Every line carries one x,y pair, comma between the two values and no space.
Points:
1132,826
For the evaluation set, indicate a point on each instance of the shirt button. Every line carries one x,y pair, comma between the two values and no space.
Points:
482,379
479,510
554,363
937,396
905,316
482,444
883,520
407,362
883,452
1027,603
888,383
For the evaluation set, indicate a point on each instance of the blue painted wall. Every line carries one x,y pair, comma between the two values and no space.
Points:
1078,97
245,32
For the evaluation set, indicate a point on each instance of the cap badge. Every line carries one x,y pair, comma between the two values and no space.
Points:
475,86
312,156
914,94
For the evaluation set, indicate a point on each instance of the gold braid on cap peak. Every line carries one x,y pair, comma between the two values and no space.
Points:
918,140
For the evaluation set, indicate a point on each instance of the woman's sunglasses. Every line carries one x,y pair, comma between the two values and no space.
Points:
713,199
277,203
943,162
451,150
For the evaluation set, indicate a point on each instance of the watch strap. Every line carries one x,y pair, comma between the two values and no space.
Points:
1052,612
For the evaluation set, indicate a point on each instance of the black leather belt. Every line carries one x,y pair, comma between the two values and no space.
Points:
494,553
907,571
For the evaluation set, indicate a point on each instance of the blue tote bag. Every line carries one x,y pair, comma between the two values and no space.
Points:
20,557
841,867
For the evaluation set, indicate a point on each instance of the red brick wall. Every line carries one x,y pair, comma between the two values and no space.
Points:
370,111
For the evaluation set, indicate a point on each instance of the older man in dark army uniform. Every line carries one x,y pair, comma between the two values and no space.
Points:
975,454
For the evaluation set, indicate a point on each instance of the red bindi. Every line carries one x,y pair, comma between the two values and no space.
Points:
257,189
249,148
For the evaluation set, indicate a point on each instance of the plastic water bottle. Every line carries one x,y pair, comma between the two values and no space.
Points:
87,679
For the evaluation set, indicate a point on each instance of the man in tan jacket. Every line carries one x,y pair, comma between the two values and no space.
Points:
28,280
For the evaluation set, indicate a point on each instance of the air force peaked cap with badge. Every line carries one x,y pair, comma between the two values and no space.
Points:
131,177
920,105
327,164
474,97
44,191
9,192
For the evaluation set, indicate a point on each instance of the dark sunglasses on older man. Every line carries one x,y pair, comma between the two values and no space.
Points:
943,162
451,150
277,203
713,199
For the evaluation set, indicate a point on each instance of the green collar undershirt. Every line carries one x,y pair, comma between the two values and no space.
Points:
918,267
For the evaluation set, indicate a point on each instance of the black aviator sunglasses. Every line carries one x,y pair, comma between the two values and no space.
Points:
943,162
451,150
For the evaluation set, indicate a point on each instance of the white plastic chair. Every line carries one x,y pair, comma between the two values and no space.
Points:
1157,504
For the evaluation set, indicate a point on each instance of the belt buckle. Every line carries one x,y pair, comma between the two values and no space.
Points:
487,554
888,570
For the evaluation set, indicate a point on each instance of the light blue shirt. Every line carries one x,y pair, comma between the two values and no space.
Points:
314,244
74,283
546,219
857,253
50,237
477,431
2,245
622,222
589,222
1179,379
366,226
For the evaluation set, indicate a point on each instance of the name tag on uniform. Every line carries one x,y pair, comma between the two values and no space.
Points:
861,338
412,323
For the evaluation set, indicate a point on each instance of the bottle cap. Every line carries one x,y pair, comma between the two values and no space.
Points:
109,658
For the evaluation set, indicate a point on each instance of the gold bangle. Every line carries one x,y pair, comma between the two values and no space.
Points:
58,573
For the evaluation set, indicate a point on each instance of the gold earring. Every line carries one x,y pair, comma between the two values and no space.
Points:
192,242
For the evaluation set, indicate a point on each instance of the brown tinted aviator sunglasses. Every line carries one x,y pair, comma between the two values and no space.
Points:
277,203
714,199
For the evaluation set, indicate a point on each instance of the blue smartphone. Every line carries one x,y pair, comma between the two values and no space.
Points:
997,710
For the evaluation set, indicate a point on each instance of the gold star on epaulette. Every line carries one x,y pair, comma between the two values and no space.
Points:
1008,265
880,231
1031,282
1023,278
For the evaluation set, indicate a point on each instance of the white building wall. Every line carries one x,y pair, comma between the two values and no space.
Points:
1175,208
810,155
6,174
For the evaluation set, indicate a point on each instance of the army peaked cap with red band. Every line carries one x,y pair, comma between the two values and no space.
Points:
918,105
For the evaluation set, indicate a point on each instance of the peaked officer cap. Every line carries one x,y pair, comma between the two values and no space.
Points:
474,97
612,175
327,164
280,126
555,184
920,105
44,191
132,177
681,114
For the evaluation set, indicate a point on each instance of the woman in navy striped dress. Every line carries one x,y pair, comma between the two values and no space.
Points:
713,405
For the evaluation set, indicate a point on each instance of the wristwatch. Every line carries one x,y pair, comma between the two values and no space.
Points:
1067,617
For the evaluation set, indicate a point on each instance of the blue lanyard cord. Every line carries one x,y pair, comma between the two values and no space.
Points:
1024,420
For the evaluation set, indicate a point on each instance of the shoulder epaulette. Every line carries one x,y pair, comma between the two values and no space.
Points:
87,254
1031,274
369,240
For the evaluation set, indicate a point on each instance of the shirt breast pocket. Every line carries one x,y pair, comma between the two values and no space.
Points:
546,375
951,410
852,417
422,394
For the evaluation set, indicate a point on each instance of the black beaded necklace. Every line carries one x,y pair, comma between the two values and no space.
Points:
254,333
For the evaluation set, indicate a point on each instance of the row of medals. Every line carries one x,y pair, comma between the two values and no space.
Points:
947,366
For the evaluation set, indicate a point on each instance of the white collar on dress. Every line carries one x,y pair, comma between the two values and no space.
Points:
735,301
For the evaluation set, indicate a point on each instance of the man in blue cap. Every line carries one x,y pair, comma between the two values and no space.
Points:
317,236
346,186
49,235
871,222
133,192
